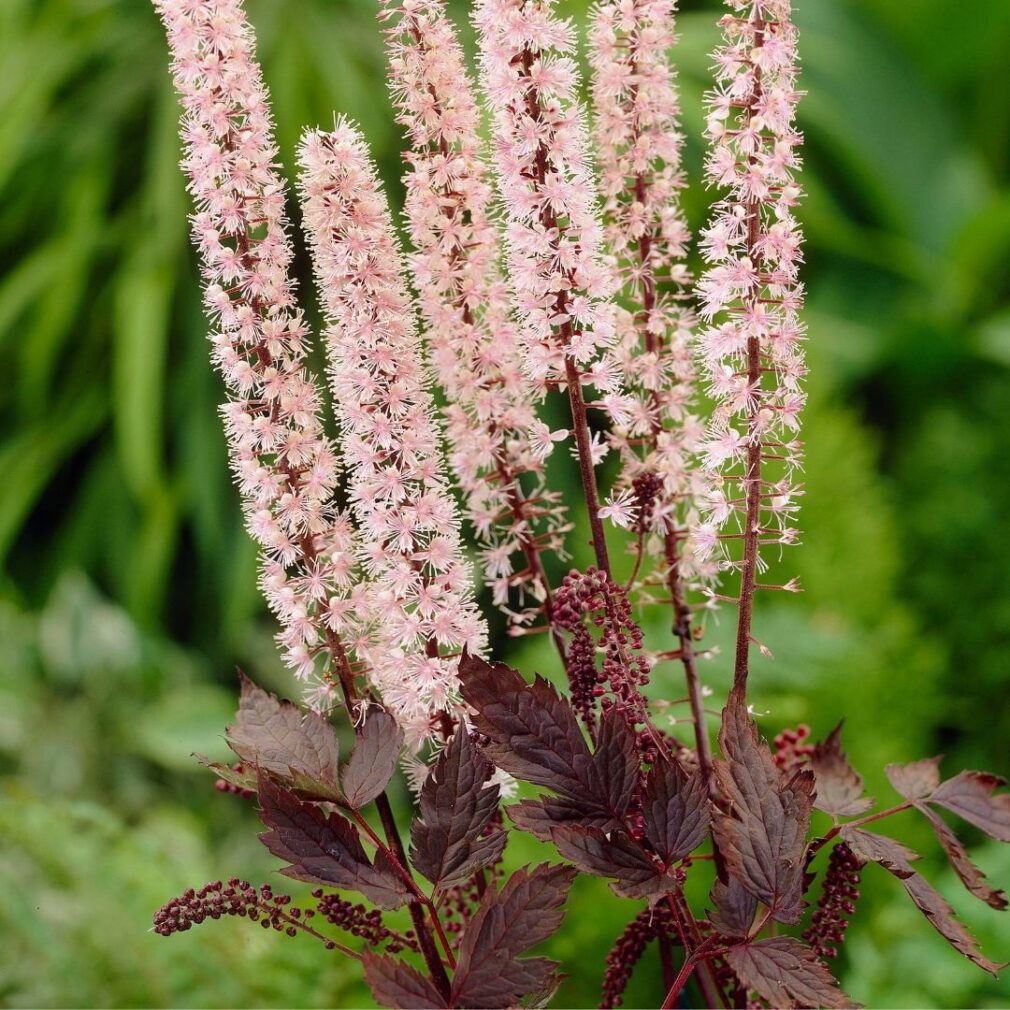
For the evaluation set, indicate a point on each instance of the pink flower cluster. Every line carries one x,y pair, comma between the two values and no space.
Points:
420,609
639,142
281,458
561,284
491,413
752,347
591,300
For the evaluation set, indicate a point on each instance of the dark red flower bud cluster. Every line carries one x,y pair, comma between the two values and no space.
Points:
790,749
594,600
628,951
364,922
837,903
646,487
238,897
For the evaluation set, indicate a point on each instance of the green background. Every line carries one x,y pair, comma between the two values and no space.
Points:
128,597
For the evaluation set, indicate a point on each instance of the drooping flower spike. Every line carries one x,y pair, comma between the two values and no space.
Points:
420,608
752,348
492,427
284,464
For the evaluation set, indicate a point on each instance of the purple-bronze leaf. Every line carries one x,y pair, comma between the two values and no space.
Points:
896,858
457,806
540,817
324,848
675,806
376,750
734,908
786,973
839,785
278,737
971,876
634,873
873,848
972,796
762,838
915,780
617,761
397,985
528,909
942,917
534,733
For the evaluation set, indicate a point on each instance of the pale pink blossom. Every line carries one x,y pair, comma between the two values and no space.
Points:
639,142
420,609
554,237
496,447
282,461
751,350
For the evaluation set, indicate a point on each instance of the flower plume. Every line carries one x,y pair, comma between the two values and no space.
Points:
752,347
473,342
284,465
639,142
554,236
420,604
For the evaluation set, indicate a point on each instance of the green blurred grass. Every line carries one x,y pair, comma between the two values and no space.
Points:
127,594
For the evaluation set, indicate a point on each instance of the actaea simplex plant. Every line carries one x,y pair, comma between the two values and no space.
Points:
546,265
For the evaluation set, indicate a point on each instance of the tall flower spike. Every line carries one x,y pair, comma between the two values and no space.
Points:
491,416
284,465
639,141
554,237
752,349
420,606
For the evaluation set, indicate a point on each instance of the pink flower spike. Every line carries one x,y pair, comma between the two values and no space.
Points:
282,461
554,235
752,353
420,607
495,448
639,141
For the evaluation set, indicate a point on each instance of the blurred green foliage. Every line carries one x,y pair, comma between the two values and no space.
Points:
128,594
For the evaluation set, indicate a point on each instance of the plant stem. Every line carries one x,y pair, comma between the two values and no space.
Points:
302,925
819,843
427,944
584,443
665,957
752,476
690,962
685,635
398,857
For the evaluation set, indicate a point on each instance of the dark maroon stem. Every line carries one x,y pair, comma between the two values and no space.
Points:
583,441
690,963
427,943
752,477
